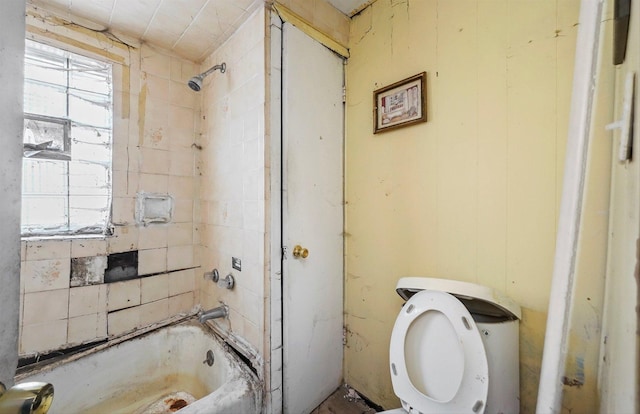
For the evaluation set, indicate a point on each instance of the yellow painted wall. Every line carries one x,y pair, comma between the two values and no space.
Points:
473,194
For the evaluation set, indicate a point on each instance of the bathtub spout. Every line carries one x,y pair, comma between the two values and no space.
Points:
219,312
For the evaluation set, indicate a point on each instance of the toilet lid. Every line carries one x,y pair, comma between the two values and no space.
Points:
437,357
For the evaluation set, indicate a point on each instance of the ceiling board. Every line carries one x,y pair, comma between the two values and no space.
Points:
192,29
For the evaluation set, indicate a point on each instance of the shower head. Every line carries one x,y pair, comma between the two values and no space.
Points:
195,83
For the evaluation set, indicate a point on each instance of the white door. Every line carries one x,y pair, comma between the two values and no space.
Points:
312,218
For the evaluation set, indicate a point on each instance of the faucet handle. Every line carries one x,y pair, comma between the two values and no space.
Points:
228,282
214,275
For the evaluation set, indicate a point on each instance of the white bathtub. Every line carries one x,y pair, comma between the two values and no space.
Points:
151,374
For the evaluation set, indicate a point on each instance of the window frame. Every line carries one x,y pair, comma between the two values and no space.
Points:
101,227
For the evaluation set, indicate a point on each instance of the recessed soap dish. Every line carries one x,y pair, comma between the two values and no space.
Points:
153,208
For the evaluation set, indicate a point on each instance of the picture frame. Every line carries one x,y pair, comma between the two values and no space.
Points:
400,104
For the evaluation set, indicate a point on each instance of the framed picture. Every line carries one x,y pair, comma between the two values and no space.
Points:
400,104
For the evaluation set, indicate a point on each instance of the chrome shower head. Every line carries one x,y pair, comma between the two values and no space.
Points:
195,83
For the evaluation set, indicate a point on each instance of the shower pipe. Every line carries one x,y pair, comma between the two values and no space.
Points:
562,285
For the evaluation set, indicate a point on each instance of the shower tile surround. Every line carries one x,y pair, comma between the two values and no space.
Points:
232,172
156,119
221,208
212,164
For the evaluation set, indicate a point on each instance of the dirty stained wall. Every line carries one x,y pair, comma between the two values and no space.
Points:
232,172
472,194
155,117
235,152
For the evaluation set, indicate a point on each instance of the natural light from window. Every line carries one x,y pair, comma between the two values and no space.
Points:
66,176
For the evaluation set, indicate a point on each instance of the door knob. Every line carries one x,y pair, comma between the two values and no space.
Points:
299,251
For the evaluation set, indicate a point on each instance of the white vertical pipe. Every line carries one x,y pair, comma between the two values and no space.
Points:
560,301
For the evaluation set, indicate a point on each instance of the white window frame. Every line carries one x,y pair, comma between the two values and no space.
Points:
100,227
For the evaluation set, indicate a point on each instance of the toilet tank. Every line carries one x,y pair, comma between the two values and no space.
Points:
497,318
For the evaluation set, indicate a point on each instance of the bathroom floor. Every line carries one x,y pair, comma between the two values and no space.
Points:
342,402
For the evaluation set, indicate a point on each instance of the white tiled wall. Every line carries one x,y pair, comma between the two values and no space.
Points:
155,124
232,183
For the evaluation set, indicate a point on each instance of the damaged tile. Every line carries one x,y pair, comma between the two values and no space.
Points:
88,270
122,266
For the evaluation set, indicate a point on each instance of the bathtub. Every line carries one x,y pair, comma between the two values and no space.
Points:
157,372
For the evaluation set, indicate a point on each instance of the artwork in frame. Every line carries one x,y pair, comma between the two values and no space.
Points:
400,104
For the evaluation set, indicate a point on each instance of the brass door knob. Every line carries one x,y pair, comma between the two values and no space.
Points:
299,251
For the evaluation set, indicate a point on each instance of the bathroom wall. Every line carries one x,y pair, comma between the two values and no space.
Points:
232,172
472,194
154,126
11,75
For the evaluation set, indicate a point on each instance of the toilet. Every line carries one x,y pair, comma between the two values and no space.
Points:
454,348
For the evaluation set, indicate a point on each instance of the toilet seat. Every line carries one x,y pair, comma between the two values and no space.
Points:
437,358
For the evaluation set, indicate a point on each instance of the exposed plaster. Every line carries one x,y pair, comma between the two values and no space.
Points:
73,42
101,35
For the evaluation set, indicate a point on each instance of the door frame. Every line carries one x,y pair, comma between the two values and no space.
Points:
273,387
273,400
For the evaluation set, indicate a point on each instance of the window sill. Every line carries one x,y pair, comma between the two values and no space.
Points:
66,237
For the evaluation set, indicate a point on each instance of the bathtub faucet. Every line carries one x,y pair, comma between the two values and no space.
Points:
219,312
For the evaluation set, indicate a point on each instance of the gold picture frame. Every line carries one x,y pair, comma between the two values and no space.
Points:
400,104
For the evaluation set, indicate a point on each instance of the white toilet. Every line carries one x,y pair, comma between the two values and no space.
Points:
454,349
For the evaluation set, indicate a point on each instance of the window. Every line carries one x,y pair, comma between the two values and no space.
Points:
66,175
